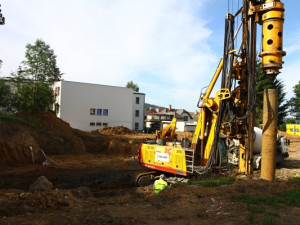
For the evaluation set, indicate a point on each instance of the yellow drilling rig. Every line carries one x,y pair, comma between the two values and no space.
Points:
230,114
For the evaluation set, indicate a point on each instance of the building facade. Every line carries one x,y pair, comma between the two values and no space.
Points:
92,106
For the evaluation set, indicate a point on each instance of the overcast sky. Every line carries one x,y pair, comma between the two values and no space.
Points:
170,48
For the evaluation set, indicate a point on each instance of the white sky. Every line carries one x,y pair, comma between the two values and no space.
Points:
170,48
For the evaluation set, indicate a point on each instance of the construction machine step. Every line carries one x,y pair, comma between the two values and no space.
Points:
189,160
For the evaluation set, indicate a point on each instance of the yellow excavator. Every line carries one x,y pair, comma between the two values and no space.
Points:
230,114
166,133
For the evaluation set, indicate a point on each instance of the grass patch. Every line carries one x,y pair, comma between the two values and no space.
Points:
256,208
251,218
294,180
212,181
268,200
292,197
269,221
12,117
257,204
250,200
272,201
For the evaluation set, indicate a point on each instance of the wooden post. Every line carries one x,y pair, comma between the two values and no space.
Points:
269,136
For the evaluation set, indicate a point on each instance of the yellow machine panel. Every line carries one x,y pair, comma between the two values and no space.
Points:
168,158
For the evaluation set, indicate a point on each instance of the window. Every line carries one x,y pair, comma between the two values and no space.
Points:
98,124
99,112
92,111
136,126
137,100
105,112
185,118
56,108
104,124
137,113
57,90
92,124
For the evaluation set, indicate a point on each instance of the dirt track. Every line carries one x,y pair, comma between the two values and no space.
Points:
97,188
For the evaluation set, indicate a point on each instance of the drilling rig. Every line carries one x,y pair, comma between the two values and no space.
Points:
230,114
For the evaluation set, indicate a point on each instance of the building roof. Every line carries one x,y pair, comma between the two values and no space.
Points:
153,111
177,113
134,92
181,111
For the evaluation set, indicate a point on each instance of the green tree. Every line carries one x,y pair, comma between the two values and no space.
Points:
286,121
5,95
34,79
40,63
266,82
294,102
32,96
133,86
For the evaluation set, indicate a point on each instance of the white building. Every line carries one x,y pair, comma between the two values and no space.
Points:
183,126
186,121
92,106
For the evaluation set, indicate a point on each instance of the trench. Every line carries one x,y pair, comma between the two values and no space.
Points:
112,179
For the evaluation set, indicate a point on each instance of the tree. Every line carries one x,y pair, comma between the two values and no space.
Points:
286,121
40,63
5,95
294,102
32,96
34,79
133,86
266,82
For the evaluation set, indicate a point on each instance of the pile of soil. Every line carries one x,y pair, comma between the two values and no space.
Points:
54,135
119,130
43,133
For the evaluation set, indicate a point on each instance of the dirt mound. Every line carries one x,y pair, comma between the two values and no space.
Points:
23,142
47,121
15,142
119,130
94,142
54,135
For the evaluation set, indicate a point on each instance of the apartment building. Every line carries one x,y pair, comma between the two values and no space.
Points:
93,106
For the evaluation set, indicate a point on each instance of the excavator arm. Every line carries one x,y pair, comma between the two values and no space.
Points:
206,132
168,132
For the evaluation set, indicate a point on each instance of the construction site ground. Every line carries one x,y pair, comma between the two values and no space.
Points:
93,182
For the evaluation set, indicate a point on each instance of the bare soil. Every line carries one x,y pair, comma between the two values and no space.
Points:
93,182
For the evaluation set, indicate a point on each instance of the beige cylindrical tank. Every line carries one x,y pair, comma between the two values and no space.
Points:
257,140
